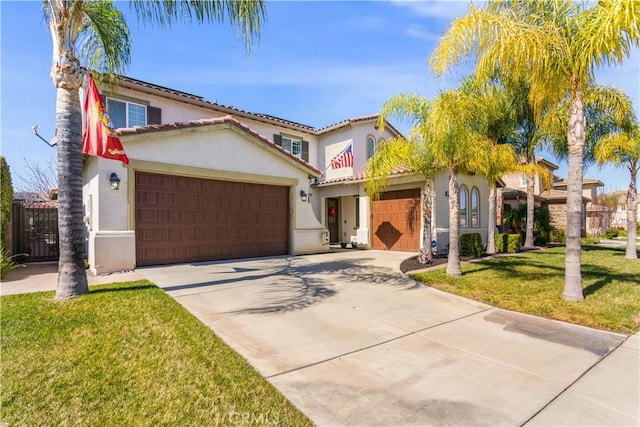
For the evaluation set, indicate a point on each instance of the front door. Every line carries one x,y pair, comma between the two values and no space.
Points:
332,220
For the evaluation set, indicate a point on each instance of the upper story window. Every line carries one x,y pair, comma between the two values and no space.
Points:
523,180
124,114
293,145
371,147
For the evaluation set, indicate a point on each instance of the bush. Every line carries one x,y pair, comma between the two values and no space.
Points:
622,233
611,233
510,243
558,235
7,263
590,240
471,245
6,198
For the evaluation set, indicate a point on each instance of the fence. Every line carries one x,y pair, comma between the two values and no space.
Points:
35,231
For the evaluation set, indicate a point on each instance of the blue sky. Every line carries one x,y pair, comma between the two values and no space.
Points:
316,63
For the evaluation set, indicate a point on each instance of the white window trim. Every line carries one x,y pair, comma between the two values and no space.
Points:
289,144
126,110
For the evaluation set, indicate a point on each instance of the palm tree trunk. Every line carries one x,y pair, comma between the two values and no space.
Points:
528,240
491,227
425,253
576,136
632,217
453,262
72,276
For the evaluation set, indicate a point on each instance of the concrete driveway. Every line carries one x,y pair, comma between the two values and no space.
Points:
351,341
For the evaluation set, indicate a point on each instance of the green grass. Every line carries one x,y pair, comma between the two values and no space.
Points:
532,283
125,354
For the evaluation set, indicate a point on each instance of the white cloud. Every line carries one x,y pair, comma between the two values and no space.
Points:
419,32
443,10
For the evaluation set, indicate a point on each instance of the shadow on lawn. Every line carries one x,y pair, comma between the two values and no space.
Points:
601,276
122,287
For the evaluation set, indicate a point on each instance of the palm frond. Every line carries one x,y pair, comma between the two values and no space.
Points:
246,15
104,42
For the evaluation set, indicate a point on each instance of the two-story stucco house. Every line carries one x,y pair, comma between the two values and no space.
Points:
207,182
553,196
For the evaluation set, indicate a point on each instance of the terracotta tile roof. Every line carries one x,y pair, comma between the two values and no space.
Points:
201,101
228,120
558,195
352,179
564,182
353,120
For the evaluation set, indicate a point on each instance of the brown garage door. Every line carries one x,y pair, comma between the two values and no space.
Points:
396,220
181,219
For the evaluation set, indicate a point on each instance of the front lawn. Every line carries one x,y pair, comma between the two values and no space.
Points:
532,283
125,354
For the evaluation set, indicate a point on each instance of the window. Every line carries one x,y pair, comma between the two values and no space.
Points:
371,147
126,114
523,180
475,207
357,211
464,195
292,145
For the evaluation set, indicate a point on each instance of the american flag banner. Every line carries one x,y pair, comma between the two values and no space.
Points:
344,159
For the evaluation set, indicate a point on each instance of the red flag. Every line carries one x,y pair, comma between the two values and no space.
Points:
99,137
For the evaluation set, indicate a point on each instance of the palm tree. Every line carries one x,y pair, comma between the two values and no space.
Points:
401,155
623,149
444,137
94,34
555,46
498,160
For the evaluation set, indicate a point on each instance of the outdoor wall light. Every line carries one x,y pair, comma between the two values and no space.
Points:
446,193
115,181
303,196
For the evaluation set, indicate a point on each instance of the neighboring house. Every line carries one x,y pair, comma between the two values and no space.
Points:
554,198
207,181
594,217
619,217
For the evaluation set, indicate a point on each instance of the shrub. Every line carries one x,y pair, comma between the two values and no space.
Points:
590,240
558,235
471,244
6,198
510,243
7,263
622,233
611,233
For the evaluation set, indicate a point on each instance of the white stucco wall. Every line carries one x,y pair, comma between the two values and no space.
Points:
174,111
216,152
441,205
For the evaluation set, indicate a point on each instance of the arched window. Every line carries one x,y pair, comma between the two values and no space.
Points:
464,212
371,147
475,207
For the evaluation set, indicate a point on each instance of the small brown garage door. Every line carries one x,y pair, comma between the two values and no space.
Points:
182,219
396,220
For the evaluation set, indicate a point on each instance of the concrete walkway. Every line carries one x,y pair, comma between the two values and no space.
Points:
43,276
351,341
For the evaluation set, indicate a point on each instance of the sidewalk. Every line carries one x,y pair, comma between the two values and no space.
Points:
43,276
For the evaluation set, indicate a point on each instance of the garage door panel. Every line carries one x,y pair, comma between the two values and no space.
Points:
396,221
183,219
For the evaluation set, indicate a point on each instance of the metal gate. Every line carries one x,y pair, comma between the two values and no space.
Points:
35,230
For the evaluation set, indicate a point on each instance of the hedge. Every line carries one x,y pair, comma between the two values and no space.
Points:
471,244
510,243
